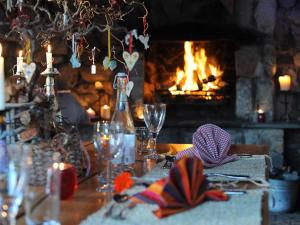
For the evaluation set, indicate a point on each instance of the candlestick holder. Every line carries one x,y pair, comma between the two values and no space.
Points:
285,116
51,74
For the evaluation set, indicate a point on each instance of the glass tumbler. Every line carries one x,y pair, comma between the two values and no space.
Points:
42,195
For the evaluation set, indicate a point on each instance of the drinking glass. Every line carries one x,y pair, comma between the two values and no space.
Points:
13,178
42,195
110,143
154,117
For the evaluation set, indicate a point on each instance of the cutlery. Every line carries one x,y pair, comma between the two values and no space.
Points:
233,176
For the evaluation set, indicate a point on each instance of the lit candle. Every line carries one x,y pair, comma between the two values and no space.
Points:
105,112
49,58
2,91
91,112
98,85
68,181
285,82
19,63
261,116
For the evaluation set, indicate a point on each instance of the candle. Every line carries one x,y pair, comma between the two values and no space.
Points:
98,85
49,58
105,112
19,63
68,181
91,112
261,116
2,76
285,82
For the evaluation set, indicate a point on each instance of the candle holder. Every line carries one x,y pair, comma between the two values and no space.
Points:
51,74
261,116
285,116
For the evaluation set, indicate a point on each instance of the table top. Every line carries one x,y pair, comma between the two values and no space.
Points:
87,200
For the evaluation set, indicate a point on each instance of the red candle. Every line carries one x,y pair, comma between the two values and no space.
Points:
261,116
68,181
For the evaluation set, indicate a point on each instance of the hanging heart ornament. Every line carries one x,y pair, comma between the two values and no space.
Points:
129,88
130,59
28,70
144,40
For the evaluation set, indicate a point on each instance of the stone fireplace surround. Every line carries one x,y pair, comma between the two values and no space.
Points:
255,65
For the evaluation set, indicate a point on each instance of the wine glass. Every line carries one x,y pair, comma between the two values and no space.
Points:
154,117
110,143
13,179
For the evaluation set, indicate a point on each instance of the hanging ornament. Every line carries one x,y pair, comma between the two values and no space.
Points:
107,62
28,70
74,59
144,40
130,59
9,5
131,33
129,87
20,4
66,14
93,67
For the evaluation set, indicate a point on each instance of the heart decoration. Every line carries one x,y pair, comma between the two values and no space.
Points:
130,59
28,70
75,61
127,37
144,40
129,88
107,63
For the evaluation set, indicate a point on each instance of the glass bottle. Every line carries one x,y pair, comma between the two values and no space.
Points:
122,114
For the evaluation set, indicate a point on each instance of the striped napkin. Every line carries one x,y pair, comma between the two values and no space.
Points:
210,144
185,188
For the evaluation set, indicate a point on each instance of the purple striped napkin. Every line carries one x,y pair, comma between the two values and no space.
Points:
210,144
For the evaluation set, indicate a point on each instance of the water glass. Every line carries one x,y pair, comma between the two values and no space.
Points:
13,177
42,199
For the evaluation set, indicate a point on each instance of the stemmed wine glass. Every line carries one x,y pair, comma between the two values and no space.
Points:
154,117
13,179
109,142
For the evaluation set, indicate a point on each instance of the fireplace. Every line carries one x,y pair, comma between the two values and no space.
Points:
196,79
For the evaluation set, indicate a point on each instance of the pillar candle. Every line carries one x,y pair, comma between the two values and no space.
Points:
285,82
19,63
2,85
105,112
49,58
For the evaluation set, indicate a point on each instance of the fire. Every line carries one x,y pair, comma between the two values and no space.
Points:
199,76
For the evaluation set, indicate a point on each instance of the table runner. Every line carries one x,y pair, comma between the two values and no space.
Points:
254,167
239,210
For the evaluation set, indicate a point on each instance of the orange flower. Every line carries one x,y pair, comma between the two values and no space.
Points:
122,182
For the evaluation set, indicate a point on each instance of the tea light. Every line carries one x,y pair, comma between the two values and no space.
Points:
105,112
261,116
91,112
98,85
49,58
19,63
68,181
285,82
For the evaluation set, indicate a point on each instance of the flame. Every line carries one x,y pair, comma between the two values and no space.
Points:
197,72
49,48
0,50
20,53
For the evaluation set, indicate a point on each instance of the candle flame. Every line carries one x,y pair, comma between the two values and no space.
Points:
106,107
20,53
260,111
0,50
49,48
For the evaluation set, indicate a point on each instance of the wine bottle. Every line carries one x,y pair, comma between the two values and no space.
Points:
123,116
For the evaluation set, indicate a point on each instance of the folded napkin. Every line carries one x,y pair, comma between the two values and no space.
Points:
185,188
210,144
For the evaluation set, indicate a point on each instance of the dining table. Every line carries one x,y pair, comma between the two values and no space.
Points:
87,201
